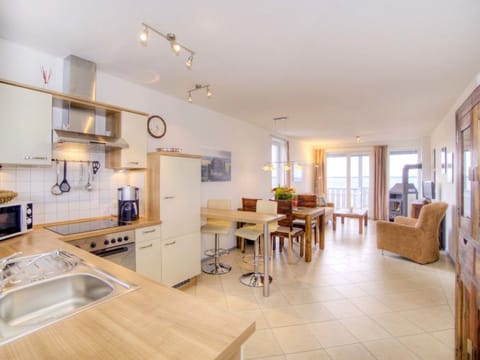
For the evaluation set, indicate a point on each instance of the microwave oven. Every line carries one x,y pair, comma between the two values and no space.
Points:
15,219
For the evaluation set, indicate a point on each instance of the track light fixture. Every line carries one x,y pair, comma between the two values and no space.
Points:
144,36
198,87
189,62
171,38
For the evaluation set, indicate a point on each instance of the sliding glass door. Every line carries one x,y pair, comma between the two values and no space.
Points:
348,180
359,181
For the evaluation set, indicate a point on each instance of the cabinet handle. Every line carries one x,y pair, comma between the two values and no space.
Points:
146,246
29,157
169,197
171,243
133,162
149,231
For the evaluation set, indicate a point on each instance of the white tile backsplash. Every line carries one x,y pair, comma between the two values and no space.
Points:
34,184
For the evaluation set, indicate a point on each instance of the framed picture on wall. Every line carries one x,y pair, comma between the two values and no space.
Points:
216,165
434,166
443,160
297,173
450,167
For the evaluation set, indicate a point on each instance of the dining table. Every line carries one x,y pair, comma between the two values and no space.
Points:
310,214
251,218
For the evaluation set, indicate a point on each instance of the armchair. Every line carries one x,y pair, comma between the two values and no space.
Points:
415,239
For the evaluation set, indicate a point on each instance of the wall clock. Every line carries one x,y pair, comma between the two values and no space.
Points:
156,126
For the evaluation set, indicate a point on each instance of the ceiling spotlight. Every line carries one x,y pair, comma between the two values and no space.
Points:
173,43
144,36
189,62
171,38
198,87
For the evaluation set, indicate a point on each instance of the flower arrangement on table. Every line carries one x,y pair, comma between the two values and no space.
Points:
284,193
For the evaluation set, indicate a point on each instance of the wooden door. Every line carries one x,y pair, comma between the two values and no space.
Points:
467,313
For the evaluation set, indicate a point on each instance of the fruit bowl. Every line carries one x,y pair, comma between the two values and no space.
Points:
7,195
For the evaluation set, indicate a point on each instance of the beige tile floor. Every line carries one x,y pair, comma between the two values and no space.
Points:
350,302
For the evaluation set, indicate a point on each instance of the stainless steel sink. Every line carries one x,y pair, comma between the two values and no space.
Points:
39,302
28,308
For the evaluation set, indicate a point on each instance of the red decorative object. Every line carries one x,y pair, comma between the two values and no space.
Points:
46,75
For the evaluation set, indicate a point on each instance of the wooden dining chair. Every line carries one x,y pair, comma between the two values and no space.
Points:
308,200
286,230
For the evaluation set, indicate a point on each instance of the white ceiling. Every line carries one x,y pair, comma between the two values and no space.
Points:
378,69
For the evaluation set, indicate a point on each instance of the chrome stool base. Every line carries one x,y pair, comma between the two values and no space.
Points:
216,268
254,279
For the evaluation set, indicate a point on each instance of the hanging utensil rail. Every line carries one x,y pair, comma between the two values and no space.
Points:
74,161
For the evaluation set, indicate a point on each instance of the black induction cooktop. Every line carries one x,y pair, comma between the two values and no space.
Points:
84,226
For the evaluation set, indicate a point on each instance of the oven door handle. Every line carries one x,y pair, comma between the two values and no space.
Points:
107,252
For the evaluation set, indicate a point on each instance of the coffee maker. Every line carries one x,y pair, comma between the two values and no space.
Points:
127,204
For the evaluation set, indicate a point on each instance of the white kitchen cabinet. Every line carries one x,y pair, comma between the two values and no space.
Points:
26,124
180,258
148,251
134,132
173,183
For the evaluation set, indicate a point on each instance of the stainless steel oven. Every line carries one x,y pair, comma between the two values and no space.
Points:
118,247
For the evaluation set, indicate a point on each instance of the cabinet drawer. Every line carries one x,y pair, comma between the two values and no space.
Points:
147,233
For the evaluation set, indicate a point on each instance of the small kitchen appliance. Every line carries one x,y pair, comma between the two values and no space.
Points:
15,219
127,204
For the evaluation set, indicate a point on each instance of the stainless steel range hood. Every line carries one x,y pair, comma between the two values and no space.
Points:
94,128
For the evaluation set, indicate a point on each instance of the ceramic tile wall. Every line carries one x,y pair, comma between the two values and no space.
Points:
34,184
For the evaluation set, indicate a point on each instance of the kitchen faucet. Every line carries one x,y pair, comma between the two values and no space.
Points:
5,260
3,264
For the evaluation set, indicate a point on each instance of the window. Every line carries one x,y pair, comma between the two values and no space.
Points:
348,180
279,158
397,160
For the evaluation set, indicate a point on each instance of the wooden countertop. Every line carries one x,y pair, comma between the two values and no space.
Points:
151,322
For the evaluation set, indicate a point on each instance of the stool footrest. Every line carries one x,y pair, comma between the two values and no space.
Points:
217,253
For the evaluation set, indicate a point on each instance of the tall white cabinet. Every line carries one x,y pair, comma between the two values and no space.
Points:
173,182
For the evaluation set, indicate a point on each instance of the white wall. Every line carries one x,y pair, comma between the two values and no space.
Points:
444,135
189,127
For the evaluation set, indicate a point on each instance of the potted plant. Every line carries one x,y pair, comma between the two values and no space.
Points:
284,193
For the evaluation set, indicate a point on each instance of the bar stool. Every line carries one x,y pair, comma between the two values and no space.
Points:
217,227
255,233
248,204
